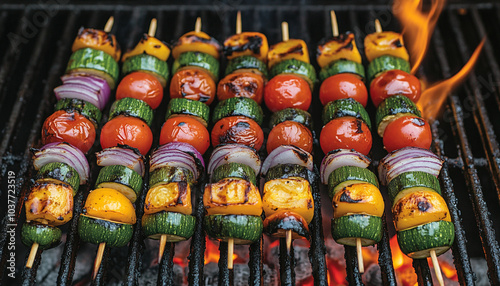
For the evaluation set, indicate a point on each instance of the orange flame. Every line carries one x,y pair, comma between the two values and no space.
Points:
211,252
417,26
433,97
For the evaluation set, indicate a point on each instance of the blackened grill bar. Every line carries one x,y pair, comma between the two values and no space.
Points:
25,67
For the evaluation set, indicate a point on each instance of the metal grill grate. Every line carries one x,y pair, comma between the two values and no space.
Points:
36,45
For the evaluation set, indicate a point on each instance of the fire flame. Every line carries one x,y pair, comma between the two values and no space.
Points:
417,26
212,253
433,97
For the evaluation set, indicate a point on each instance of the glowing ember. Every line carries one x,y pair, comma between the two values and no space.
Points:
211,252
417,26
433,97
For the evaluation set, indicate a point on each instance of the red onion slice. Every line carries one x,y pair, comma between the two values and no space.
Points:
287,154
174,158
92,89
78,92
63,153
339,158
184,147
408,159
234,153
122,155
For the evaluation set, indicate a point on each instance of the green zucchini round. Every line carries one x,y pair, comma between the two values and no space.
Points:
132,107
391,109
347,229
291,114
61,172
188,107
95,62
284,171
342,66
345,107
122,179
244,229
45,235
234,170
294,66
169,174
386,63
149,64
95,231
238,106
246,62
83,107
411,180
417,242
176,226
196,59
348,175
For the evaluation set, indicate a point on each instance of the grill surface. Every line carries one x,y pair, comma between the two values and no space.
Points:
35,46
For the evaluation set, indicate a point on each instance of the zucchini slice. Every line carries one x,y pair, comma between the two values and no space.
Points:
61,172
148,64
184,106
285,171
412,180
294,66
345,107
169,174
346,229
132,107
279,223
238,106
196,59
393,108
342,66
93,230
234,170
349,175
121,178
176,226
45,235
386,63
418,242
83,107
244,229
94,62
246,62
291,114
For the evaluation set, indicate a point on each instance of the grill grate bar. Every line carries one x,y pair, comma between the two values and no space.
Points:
423,273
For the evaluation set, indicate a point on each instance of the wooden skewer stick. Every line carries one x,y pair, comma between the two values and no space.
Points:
152,27
378,27
230,251
335,26
98,258
437,269
163,242
109,24
197,25
288,240
284,31
238,23
31,257
361,265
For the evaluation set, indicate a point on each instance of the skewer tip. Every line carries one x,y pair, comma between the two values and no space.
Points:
152,27
288,240
361,265
378,27
163,242
284,31
335,27
109,24
31,257
197,25
98,258
238,23
230,251
437,268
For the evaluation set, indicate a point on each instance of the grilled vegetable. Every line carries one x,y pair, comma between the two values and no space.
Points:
59,173
147,64
386,63
83,107
176,226
238,106
285,91
393,108
150,46
346,133
184,106
345,176
417,242
97,40
94,230
121,178
341,86
200,60
234,153
340,158
360,198
385,43
407,131
126,130
232,196
247,64
196,42
342,66
170,197
109,205
241,84
49,203
285,171
237,129
45,235
279,223
347,229
143,86
94,62
165,175
290,133
187,129
234,170
342,47
292,66
287,154
345,107
394,82
244,229
292,194
291,114
291,49
193,83
412,181
132,107
246,44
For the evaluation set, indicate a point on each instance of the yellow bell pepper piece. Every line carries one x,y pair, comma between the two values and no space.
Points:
151,46
98,40
362,198
50,203
109,204
171,197
385,43
232,196
291,49
341,47
246,44
196,42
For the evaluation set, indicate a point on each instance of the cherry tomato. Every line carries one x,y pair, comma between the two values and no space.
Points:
285,90
70,127
127,130
346,133
241,84
187,129
394,82
193,83
290,133
238,129
407,131
343,85
143,86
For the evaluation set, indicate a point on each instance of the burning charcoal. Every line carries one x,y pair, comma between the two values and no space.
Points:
372,276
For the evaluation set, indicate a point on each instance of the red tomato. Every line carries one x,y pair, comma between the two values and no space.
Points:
127,130
241,84
285,90
193,83
394,82
238,129
343,85
346,133
70,127
187,129
407,131
290,133
143,86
